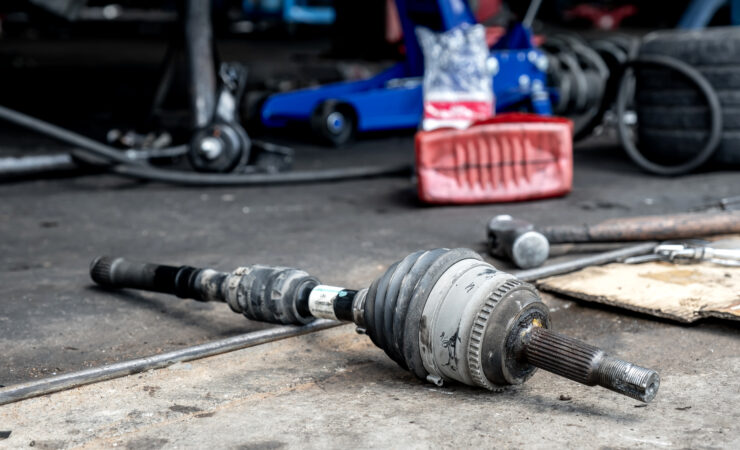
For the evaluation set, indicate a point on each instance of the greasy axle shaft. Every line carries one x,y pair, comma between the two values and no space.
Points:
444,315
589,365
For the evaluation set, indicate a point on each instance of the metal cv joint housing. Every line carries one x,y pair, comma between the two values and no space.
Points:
262,293
472,325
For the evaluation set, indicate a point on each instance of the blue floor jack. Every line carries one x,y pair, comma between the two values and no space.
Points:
393,99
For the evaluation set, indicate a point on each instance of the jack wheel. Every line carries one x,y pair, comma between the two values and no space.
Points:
334,122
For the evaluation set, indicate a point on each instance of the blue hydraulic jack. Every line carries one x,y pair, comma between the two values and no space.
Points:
393,98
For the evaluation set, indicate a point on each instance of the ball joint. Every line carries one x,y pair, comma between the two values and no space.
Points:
444,315
219,148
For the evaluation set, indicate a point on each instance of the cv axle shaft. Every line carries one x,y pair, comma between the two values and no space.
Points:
444,315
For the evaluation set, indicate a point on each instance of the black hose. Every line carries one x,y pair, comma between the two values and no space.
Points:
96,148
693,75
207,179
138,169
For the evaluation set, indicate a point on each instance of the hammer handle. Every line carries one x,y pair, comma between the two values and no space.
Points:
647,228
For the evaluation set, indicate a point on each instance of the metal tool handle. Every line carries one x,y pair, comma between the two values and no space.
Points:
687,253
647,228
723,255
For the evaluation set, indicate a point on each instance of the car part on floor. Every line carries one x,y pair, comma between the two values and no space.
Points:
510,157
70,380
516,241
444,315
121,163
647,228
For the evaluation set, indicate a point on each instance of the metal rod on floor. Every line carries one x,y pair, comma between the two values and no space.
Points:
587,261
70,380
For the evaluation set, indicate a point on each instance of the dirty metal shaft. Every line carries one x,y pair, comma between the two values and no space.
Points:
444,314
589,365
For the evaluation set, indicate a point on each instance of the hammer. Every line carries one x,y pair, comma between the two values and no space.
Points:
516,240
529,247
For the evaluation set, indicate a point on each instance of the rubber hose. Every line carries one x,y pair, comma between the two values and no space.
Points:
98,149
203,179
693,75
139,170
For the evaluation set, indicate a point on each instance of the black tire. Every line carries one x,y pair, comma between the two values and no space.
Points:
672,145
334,122
695,118
720,77
684,97
708,47
644,158
673,117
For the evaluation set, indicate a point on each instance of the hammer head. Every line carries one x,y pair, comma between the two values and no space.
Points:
517,241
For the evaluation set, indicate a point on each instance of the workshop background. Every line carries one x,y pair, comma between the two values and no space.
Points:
482,187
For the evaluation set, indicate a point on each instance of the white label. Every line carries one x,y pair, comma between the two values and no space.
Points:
321,301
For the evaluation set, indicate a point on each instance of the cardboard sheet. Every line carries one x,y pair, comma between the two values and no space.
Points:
685,293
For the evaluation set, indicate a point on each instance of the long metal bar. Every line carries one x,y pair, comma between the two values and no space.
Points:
643,228
26,165
587,261
70,380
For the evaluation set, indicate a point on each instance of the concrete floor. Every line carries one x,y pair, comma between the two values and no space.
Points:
334,388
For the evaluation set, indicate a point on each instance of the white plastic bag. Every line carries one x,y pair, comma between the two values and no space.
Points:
458,85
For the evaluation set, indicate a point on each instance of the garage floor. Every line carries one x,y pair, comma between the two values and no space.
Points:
332,388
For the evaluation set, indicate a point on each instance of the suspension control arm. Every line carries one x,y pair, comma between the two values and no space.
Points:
444,315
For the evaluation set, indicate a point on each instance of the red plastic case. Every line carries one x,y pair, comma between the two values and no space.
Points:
510,157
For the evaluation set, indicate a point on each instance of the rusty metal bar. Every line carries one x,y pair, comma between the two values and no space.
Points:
71,380
647,228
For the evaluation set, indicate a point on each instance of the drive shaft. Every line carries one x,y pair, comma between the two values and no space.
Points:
444,315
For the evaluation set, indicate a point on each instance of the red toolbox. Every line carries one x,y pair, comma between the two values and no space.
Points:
507,158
